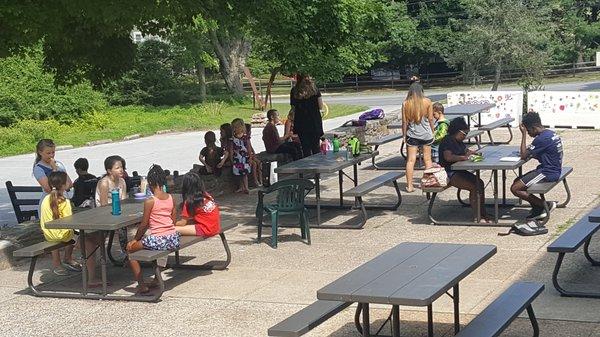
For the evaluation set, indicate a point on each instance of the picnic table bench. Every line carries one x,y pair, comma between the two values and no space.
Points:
497,316
364,188
545,187
502,122
579,234
17,203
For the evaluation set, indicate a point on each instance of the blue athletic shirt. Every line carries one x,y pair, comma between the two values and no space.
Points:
547,149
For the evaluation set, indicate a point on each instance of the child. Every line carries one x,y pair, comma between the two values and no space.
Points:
85,185
44,164
240,154
225,140
289,128
255,163
113,179
546,147
276,144
55,206
159,218
441,129
200,213
211,156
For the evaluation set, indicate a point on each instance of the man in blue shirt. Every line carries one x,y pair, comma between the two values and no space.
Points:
546,148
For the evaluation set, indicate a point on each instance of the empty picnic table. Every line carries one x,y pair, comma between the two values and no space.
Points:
467,110
409,274
594,216
331,162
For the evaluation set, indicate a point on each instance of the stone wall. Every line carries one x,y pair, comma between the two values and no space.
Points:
372,130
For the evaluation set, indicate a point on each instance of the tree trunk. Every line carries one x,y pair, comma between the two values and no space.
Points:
497,77
201,75
232,53
270,85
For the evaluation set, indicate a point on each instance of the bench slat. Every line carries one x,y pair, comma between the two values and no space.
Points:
147,255
542,188
434,189
38,249
574,237
307,319
496,124
385,139
474,133
27,202
373,184
500,313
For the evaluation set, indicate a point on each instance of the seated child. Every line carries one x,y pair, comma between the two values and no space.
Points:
55,206
159,219
441,130
200,213
255,163
85,185
211,156
225,141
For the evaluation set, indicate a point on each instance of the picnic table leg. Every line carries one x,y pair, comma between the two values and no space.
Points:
503,187
318,197
456,299
366,329
341,182
586,252
477,194
495,173
111,238
395,321
430,320
534,322
103,264
84,258
355,177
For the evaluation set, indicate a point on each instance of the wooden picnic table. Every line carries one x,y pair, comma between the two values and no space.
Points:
331,162
492,156
409,274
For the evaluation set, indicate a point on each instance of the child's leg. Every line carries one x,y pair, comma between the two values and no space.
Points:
254,172
245,183
56,258
187,230
91,242
69,253
259,170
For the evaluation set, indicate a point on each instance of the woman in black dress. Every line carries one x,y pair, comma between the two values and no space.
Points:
306,101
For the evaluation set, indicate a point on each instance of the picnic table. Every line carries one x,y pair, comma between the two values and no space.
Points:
99,219
319,164
594,216
409,274
467,110
492,156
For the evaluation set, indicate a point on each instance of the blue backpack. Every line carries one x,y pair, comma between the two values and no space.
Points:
372,114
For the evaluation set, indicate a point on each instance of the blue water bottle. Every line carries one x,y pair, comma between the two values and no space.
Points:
116,202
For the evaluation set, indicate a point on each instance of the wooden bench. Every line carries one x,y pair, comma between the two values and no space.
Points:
361,190
307,319
17,203
545,187
497,316
33,252
503,122
579,234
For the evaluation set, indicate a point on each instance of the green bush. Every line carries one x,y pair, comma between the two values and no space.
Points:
27,91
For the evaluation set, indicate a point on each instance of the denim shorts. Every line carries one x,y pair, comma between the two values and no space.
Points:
418,142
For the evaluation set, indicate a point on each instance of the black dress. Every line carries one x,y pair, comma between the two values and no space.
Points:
308,124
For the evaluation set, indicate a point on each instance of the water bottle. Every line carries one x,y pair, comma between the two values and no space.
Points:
116,202
336,143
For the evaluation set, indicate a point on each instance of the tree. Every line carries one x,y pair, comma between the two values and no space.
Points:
578,33
503,35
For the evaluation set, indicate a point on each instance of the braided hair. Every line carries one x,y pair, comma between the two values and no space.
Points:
156,176
192,191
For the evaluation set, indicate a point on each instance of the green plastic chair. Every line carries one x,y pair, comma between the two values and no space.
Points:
290,200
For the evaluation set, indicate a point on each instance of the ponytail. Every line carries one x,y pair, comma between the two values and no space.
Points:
57,181
56,198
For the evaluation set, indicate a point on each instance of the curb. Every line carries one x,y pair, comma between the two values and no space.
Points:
131,137
63,147
160,132
99,142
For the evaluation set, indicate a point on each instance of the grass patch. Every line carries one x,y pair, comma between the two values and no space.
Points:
118,122
564,226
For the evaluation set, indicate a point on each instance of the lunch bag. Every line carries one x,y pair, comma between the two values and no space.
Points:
435,176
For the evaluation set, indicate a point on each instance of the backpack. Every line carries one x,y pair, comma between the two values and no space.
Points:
372,114
435,176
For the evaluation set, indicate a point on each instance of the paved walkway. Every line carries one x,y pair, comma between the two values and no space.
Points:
263,285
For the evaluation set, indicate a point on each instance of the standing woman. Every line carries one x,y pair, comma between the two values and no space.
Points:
306,101
417,128
45,164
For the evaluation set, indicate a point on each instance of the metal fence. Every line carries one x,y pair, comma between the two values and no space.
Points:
365,82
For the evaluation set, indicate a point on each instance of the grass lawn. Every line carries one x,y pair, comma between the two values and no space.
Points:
118,122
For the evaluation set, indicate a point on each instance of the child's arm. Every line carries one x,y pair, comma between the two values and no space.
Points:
430,116
404,124
200,157
173,211
440,132
103,192
225,157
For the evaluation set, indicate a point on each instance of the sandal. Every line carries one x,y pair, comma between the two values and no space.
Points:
410,190
72,265
60,271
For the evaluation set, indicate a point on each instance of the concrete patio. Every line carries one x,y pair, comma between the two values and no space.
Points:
263,285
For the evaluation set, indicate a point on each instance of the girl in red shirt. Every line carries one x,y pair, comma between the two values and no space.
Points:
200,214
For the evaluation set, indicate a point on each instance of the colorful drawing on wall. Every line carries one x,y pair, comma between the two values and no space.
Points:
508,103
566,108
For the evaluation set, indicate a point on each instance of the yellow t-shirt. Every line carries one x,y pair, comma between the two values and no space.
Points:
64,209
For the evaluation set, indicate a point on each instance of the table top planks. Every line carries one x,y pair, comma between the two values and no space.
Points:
491,159
329,163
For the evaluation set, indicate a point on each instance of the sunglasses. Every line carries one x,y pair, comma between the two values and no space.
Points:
461,131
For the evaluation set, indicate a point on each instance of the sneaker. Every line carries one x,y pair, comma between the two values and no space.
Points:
537,228
530,228
72,266
60,271
536,214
